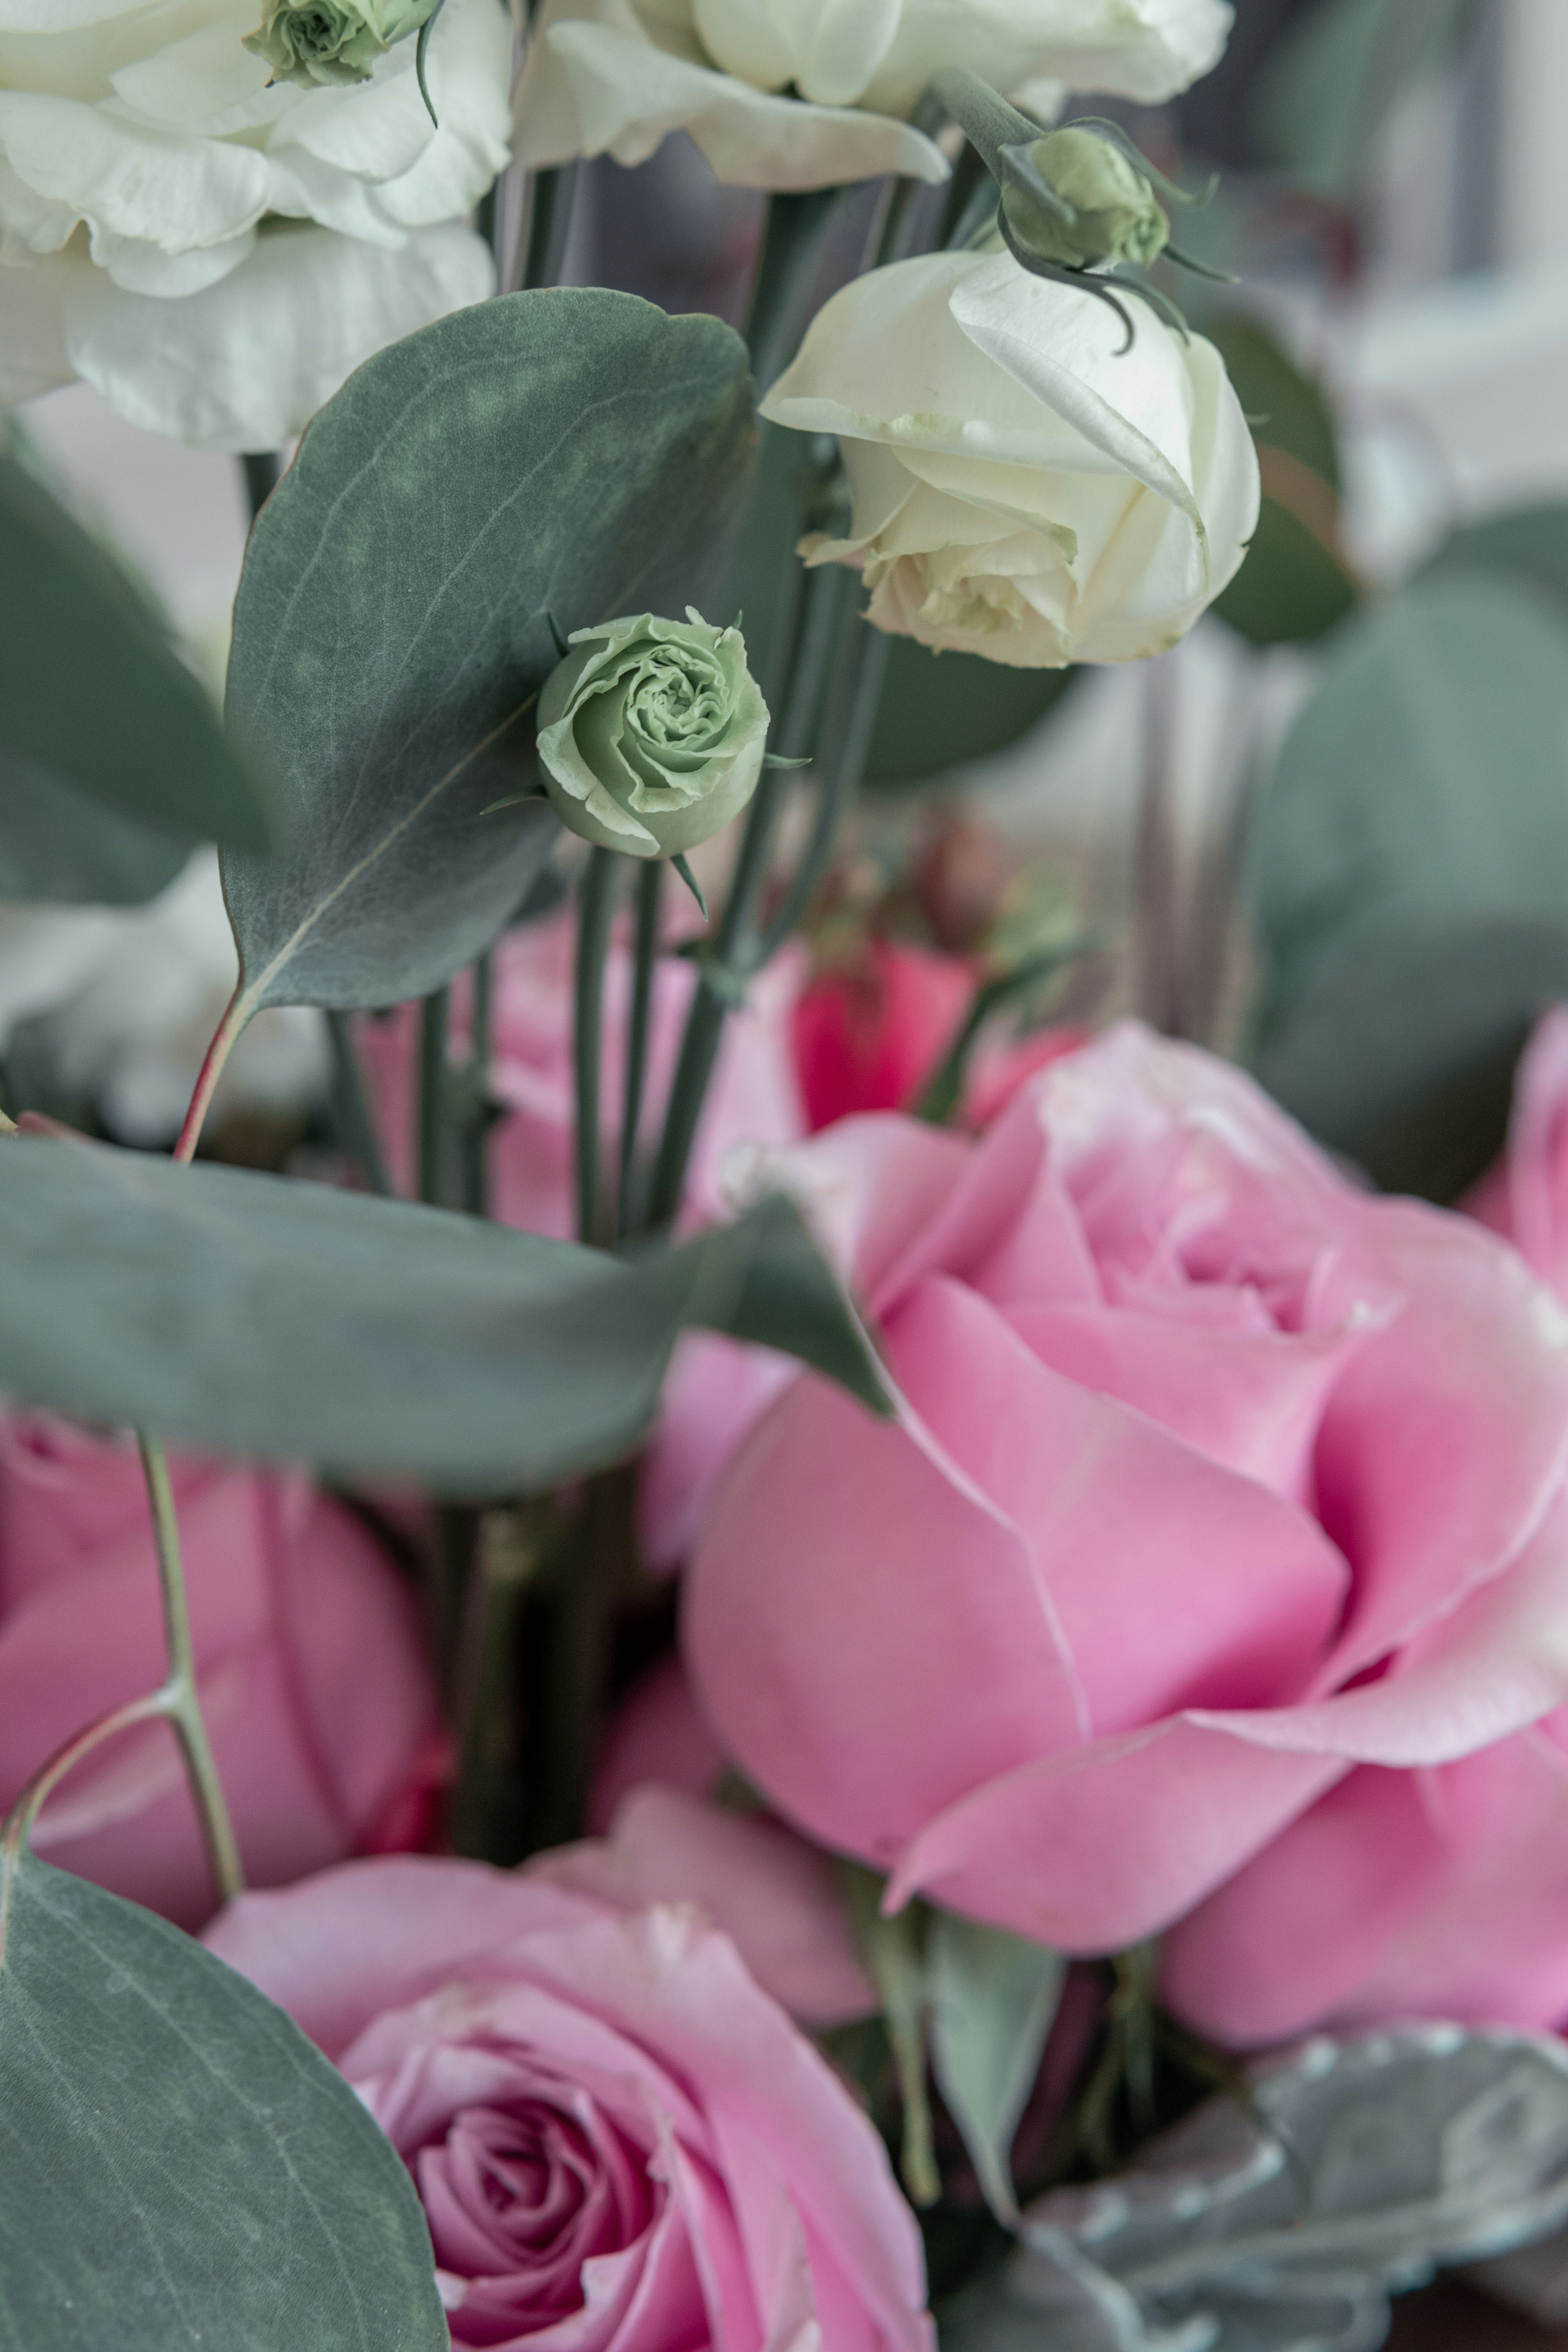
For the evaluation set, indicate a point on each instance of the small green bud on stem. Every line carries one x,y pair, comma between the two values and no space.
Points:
651,733
1110,212
314,41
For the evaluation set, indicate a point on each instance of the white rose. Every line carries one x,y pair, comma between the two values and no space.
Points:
1023,487
215,254
613,76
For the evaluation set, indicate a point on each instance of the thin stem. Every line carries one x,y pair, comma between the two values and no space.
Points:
354,1110
596,907
225,1037
1155,905
580,1651
18,1823
650,878
737,951
786,272
475,1099
185,1710
432,1108
513,1544
853,701
262,470
549,223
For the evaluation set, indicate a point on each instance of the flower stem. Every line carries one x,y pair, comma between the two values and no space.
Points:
737,948
596,911
432,1109
549,223
225,1037
854,700
787,273
353,1111
476,1095
183,1705
650,879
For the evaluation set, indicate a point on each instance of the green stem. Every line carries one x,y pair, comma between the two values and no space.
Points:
738,950
262,470
596,912
354,1110
549,222
476,1098
432,1108
580,1651
184,1705
787,273
513,1543
650,879
848,726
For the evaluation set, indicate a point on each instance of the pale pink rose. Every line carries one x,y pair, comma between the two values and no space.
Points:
1212,1477
622,2144
658,1734
1439,1893
754,1097
310,1667
1525,1197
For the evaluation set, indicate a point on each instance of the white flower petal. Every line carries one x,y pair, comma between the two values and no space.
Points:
245,364
596,82
828,49
30,223
33,354
1146,50
174,192
142,269
206,83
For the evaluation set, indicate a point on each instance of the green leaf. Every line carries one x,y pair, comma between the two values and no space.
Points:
1293,585
1290,587
92,692
569,452
893,1953
993,1998
182,2168
57,844
1410,866
249,1312
1528,544
1287,409
945,711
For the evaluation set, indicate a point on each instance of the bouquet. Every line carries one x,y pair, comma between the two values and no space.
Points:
844,1625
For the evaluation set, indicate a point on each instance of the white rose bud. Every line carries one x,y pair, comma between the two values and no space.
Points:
651,733
1115,215
311,41
1025,487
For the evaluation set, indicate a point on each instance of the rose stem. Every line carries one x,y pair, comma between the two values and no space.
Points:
737,947
475,1121
650,878
430,1112
357,1126
596,911
186,1709
854,699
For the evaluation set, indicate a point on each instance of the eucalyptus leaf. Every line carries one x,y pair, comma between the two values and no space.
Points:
1283,2223
1528,543
57,844
948,709
563,456
182,2168
1333,80
232,1309
1409,865
993,1998
1294,583
92,692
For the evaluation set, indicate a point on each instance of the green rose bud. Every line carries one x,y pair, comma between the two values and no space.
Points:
312,41
651,733
1116,218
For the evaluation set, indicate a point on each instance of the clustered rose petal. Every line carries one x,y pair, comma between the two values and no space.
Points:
621,2143
213,250
651,733
1441,1893
1026,486
309,1662
1213,1478
613,76
310,41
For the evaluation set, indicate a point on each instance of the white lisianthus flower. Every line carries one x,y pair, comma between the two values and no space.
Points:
1023,488
613,76
213,251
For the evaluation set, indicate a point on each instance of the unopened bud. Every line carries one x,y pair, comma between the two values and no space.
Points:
313,41
1116,216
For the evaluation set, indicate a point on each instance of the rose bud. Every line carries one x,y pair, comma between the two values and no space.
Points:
1116,218
651,733
311,41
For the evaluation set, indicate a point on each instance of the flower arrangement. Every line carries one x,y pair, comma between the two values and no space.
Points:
828,1638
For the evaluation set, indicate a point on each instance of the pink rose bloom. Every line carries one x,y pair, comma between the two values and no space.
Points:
754,1097
1212,1477
621,2143
312,1676
870,1034
1441,1892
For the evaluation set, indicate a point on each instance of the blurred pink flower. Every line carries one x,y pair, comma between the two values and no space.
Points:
1213,1478
754,1097
622,2144
309,1665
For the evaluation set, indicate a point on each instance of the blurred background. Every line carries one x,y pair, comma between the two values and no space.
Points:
1329,833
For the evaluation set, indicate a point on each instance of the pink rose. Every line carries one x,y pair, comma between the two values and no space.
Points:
620,2141
1212,1477
310,1671
869,1034
754,1097
1439,1893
